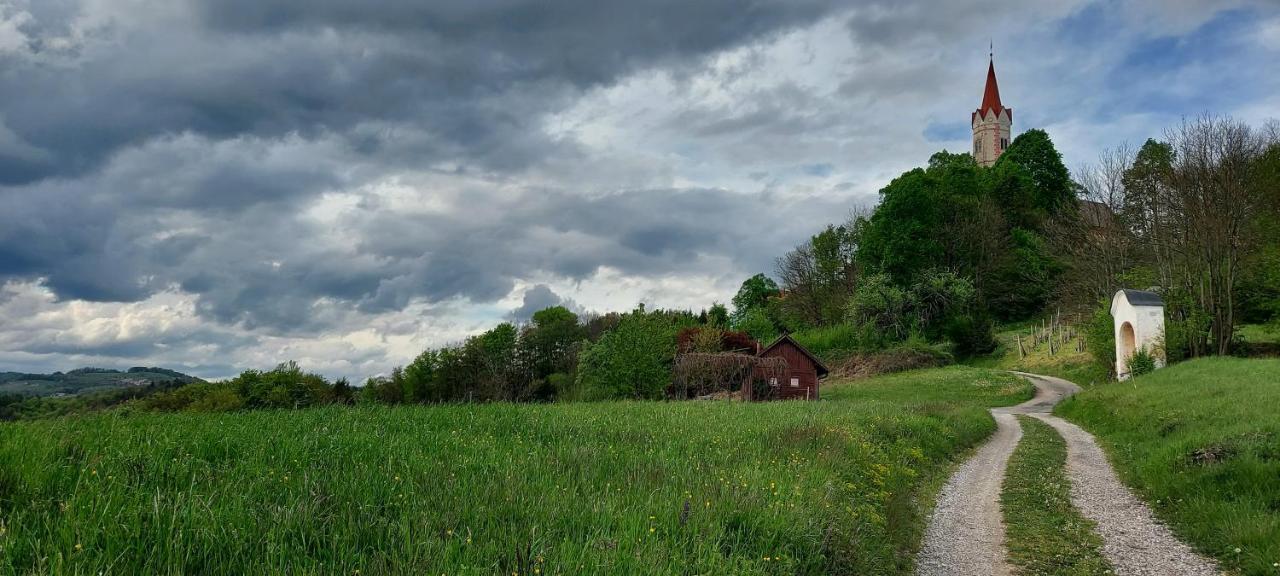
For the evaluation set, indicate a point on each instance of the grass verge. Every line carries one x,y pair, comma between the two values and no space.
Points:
599,488
1044,533
1200,442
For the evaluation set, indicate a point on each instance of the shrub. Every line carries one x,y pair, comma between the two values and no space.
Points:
910,355
1101,338
1142,362
219,398
881,309
971,335
634,359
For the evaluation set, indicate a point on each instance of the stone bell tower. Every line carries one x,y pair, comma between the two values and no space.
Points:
992,123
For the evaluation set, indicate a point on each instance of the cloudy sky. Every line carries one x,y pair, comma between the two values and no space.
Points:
212,185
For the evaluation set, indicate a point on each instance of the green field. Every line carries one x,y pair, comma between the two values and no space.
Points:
1045,534
606,488
1200,441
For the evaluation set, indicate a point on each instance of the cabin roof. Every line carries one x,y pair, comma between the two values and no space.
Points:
822,368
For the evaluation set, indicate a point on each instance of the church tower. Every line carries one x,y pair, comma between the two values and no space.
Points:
992,123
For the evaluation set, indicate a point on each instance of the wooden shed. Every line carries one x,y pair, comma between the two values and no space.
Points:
804,370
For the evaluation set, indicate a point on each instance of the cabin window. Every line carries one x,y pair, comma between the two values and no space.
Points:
773,381
795,382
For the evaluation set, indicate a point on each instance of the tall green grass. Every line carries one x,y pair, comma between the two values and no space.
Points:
1200,441
830,487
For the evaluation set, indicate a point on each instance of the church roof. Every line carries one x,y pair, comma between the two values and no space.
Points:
991,95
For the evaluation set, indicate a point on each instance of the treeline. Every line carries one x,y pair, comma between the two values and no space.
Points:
26,406
1194,216
559,356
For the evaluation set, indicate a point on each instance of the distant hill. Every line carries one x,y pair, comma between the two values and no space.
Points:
87,380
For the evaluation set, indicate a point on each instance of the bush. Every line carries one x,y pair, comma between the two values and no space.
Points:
634,359
1142,362
1101,338
970,335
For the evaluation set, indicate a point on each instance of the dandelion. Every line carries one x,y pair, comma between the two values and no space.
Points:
79,547
1237,550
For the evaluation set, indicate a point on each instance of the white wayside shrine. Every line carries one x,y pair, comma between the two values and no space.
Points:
1139,325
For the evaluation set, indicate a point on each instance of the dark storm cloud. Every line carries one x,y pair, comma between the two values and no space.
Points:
472,75
175,146
540,297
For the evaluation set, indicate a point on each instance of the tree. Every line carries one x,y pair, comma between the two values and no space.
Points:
634,359
758,325
1031,181
1216,196
1093,242
754,293
548,346
718,316
818,277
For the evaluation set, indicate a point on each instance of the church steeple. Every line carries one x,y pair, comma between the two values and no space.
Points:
991,96
991,122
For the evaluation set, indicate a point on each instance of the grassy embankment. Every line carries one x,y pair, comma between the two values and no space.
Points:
1065,362
1045,534
616,488
1200,441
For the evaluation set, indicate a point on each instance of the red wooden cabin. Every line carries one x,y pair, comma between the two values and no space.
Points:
804,370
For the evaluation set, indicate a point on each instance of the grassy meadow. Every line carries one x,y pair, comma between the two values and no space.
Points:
1200,441
589,488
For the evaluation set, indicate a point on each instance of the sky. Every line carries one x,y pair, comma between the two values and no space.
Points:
215,185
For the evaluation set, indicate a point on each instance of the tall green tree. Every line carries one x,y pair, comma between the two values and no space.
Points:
1031,181
755,292
634,360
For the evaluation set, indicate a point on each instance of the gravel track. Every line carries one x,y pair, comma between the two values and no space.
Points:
1133,540
965,536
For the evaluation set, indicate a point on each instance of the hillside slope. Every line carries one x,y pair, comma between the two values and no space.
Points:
86,380
1200,441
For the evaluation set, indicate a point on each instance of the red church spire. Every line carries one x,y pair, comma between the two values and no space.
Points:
991,97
